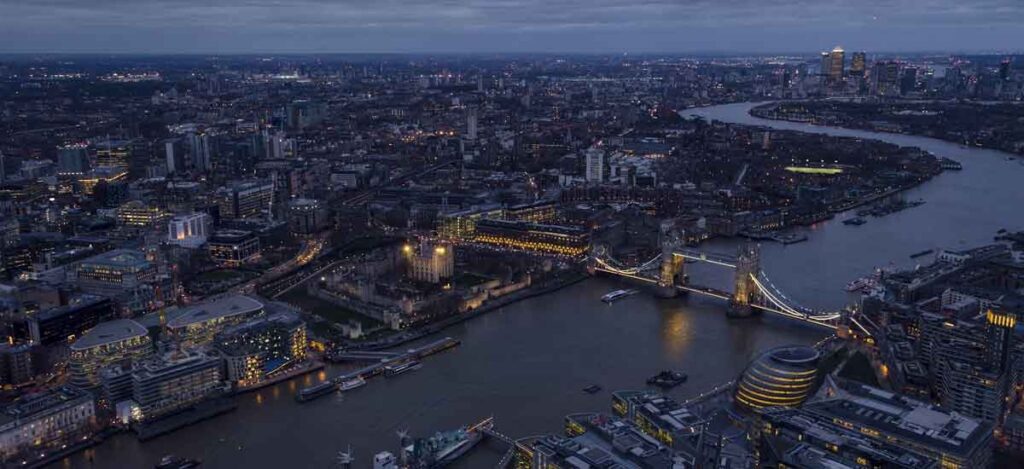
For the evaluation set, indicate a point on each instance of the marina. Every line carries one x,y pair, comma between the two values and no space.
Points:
393,366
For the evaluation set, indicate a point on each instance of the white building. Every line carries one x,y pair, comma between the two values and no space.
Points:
189,230
42,421
595,165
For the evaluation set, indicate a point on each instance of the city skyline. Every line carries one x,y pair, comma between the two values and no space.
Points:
516,26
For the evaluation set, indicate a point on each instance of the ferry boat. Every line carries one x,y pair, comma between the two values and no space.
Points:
618,295
173,462
395,370
352,383
315,391
667,379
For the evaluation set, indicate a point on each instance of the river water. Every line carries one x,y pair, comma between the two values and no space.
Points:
526,364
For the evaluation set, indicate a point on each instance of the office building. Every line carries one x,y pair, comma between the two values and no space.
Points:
858,64
255,350
73,159
781,377
115,272
598,441
198,324
306,216
165,384
17,365
66,323
548,239
594,165
461,225
46,420
885,77
471,123
201,148
956,440
109,343
189,230
114,153
836,65
429,263
138,214
245,199
232,248
174,153
825,65
658,416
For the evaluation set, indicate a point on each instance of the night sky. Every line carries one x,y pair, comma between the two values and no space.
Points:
606,26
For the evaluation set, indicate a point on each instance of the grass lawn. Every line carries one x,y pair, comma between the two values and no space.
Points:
325,309
858,368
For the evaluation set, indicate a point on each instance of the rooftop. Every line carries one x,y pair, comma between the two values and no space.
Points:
222,307
119,258
109,332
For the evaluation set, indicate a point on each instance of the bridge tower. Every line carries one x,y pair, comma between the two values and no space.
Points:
748,264
671,272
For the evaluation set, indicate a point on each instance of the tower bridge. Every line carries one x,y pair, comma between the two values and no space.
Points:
753,291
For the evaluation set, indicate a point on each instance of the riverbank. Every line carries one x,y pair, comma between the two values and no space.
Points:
426,331
902,118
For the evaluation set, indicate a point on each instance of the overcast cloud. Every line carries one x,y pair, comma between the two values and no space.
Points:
508,25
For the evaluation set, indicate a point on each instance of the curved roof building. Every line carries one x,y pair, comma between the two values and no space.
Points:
781,377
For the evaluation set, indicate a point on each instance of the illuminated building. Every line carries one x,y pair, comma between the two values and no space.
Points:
121,271
114,153
65,323
306,216
189,230
594,440
786,437
836,65
858,65
108,343
537,212
548,239
165,384
953,439
885,78
198,324
461,225
106,174
136,213
429,263
72,159
232,248
825,65
46,420
245,199
781,377
657,415
256,349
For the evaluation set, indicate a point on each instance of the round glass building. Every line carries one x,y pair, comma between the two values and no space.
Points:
782,376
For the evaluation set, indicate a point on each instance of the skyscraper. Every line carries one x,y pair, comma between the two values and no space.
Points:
826,64
836,64
595,165
471,124
858,65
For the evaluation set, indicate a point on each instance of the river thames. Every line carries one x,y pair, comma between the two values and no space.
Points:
526,364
